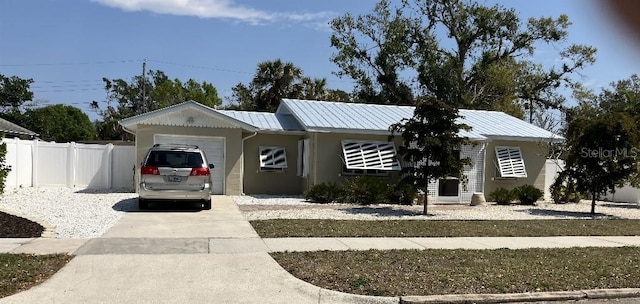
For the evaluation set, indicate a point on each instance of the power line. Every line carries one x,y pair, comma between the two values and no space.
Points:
199,67
70,63
65,86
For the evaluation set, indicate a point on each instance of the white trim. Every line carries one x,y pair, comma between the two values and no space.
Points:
268,160
132,122
224,152
368,154
510,162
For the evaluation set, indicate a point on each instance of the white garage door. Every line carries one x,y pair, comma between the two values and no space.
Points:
213,147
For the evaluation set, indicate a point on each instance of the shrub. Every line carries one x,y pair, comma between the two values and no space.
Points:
402,193
527,194
565,193
4,168
502,196
324,193
365,190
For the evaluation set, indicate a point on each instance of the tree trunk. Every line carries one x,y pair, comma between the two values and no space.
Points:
426,199
593,203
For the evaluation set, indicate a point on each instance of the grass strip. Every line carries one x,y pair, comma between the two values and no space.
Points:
430,272
414,228
20,272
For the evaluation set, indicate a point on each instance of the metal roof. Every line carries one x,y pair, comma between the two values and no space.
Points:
376,119
265,121
8,127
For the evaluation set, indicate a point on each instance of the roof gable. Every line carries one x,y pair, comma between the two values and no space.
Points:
187,114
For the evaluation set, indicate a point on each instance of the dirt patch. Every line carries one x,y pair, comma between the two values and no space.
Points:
12,226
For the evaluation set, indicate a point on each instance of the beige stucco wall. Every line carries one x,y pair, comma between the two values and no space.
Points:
534,156
285,182
232,156
327,152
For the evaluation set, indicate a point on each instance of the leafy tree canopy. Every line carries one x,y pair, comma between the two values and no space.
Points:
603,140
14,92
277,79
461,51
60,123
138,96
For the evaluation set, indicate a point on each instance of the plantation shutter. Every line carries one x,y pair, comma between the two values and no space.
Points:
510,162
364,155
273,157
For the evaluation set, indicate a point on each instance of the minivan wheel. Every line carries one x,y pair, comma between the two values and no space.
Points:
206,205
143,204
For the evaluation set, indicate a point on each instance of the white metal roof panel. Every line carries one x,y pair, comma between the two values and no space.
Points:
265,121
370,118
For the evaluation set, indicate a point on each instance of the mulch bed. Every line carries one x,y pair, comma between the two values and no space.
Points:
12,226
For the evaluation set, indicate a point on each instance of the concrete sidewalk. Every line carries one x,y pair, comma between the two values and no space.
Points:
216,257
175,257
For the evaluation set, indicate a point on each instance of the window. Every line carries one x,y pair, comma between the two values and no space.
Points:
273,158
175,159
304,150
510,162
369,155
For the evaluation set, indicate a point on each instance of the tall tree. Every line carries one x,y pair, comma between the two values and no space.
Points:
155,91
461,51
603,140
275,80
60,123
14,92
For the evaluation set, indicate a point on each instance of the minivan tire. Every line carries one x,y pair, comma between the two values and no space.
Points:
206,205
143,204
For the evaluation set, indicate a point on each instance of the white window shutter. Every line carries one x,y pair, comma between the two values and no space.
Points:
510,162
306,156
273,157
364,155
303,157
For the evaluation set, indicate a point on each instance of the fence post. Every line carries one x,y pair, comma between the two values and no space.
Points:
34,164
71,166
16,143
107,163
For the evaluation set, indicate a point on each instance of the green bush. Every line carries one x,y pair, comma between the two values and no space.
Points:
402,193
502,196
527,194
4,168
366,190
563,193
324,193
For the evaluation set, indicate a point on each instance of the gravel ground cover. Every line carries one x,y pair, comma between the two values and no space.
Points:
74,213
274,207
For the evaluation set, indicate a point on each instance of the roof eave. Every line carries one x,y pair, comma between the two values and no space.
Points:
553,139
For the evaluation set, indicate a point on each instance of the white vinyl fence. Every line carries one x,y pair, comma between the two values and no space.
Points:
36,163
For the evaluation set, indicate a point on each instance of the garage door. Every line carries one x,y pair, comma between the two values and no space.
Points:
213,147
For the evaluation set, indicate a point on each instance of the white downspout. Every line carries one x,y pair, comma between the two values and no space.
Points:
242,161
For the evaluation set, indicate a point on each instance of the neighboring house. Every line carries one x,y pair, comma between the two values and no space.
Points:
310,142
12,130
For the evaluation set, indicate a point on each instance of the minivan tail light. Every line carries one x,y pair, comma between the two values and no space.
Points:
200,172
150,170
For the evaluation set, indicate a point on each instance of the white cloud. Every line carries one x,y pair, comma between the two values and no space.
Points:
223,9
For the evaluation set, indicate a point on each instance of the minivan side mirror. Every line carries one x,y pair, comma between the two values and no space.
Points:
211,166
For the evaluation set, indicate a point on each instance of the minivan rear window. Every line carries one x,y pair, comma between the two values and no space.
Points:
175,159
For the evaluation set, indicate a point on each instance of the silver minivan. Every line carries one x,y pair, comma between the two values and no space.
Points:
173,172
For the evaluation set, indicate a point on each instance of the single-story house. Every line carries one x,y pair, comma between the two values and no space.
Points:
10,129
306,142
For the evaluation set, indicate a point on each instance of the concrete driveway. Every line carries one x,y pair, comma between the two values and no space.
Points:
179,257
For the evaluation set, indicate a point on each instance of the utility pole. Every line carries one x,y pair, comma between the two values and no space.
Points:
144,82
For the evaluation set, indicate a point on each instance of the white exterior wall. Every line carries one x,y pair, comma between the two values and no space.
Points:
43,164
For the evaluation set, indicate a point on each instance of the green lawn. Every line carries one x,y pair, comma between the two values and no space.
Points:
428,272
415,228
19,272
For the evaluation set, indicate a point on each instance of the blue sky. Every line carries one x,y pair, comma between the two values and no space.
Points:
67,46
